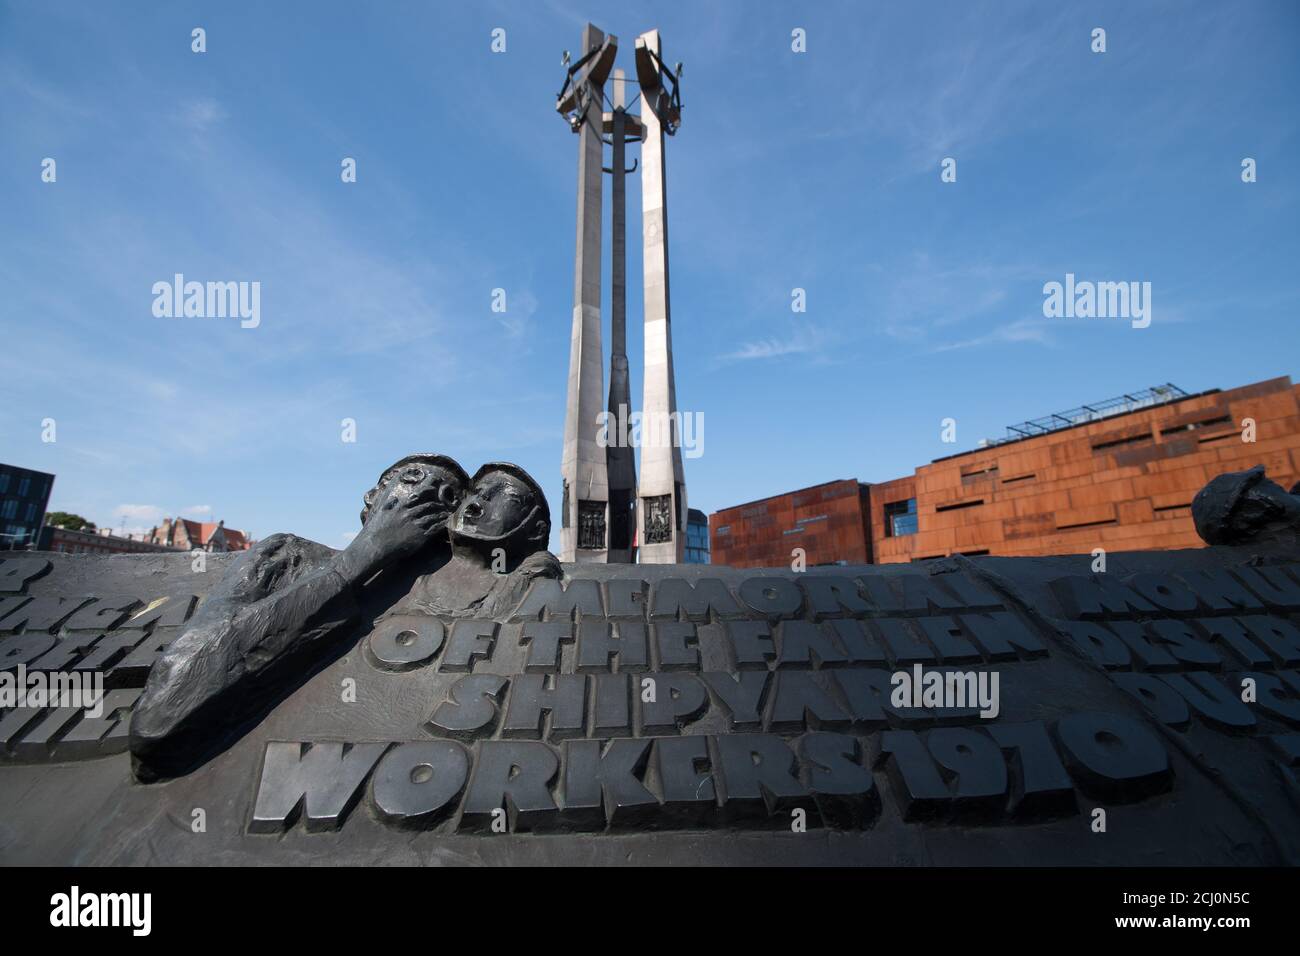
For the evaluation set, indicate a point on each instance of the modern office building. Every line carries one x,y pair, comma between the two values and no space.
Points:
1118,475
697,537
24,495
824,524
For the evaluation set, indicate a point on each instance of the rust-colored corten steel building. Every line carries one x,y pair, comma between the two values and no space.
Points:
1120,475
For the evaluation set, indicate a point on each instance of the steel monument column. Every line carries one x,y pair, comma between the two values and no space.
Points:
585,508
661,515
620,458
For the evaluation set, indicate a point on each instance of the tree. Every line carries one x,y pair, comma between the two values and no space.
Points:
70,521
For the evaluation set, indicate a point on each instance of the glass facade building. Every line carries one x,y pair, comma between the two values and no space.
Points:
697,537
24,493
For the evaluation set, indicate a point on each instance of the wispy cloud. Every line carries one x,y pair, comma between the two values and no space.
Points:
1027,330
200,115
965,86
926,294
805,340
521,305
138,513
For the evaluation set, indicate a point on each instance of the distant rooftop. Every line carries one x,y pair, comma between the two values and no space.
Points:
1122,405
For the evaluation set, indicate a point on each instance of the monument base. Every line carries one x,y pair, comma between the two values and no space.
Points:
692,714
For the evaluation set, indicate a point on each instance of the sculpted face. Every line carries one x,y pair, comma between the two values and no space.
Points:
1268,502
417,483
497,504
1240,506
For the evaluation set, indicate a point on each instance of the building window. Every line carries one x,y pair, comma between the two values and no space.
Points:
10,509
23,485
31,512
900,518
697,537
4,483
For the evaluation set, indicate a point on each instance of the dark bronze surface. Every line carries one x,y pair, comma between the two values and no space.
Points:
651,714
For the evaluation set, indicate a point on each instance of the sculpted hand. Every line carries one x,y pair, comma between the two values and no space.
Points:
406,519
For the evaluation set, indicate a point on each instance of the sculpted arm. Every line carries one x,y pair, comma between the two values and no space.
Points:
264,623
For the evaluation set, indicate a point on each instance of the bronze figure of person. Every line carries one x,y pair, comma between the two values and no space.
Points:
1244,507
277,611
498,539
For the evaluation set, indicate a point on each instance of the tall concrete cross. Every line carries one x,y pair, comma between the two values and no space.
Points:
620,461
585,507
601,513
661,515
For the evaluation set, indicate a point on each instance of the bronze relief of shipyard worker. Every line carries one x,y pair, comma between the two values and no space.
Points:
1243,507
498,538
279,613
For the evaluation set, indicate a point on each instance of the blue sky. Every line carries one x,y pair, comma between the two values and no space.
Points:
817,170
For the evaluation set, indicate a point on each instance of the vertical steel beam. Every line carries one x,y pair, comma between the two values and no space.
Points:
661,511
620,457
585,508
